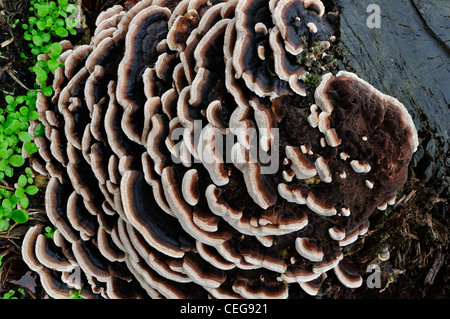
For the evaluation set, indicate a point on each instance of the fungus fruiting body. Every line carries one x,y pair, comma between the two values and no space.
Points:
148,199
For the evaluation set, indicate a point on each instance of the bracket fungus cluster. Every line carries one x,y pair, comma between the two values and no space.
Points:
146,207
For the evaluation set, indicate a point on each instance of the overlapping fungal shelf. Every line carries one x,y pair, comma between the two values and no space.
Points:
142,211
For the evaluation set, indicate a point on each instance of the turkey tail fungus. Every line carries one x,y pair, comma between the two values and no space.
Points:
143,211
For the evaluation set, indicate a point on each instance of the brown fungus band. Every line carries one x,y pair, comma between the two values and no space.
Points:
149,201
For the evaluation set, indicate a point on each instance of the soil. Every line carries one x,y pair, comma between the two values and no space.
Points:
407,57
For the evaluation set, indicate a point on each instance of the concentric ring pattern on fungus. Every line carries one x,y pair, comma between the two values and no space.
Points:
155,187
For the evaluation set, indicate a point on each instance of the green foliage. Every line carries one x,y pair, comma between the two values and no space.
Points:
309,58
14,123
49,232
312,80
310,53
285,252
51,22
16,22
14,203
76,294
10,294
